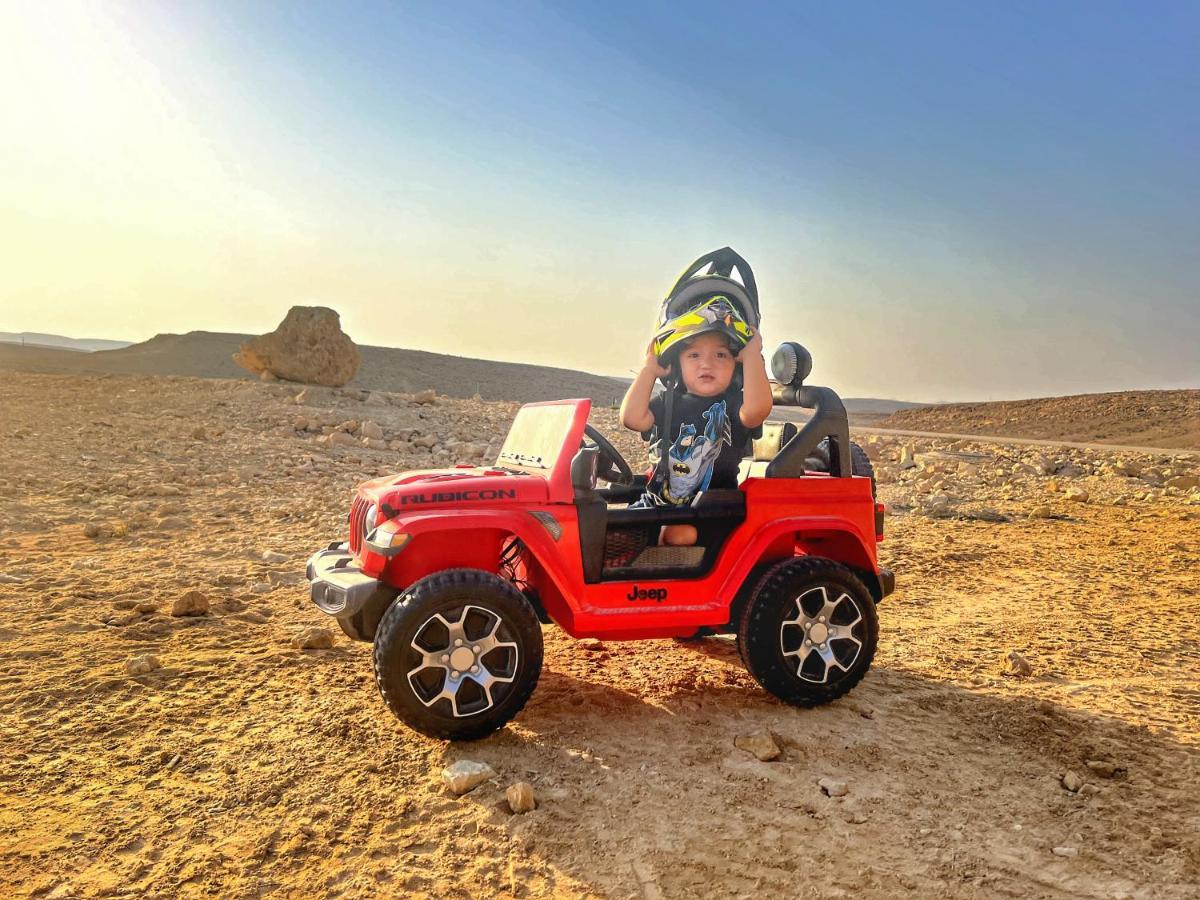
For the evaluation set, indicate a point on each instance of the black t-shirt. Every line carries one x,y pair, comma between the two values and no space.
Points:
708,444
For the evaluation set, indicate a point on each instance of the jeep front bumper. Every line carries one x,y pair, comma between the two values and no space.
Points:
336,584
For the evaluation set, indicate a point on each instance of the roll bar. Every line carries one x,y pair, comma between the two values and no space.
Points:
829,421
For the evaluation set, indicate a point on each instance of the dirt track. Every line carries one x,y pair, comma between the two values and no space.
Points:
245,767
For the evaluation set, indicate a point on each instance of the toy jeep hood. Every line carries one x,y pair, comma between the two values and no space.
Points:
458,487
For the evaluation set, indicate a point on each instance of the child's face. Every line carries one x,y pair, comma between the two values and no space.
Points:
706,365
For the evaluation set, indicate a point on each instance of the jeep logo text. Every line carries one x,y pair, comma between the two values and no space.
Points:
656,594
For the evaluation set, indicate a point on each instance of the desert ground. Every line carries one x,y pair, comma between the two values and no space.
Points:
245,767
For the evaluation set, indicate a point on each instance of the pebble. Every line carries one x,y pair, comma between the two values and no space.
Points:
1076,495
1103,768
313,639
592,644
142,664
1066,851
1042,512
1072,782
520,797
272,557
192,603
760,743
465,775
91,530
832,787
1017,665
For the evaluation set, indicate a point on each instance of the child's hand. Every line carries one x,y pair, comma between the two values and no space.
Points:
754,345
651,363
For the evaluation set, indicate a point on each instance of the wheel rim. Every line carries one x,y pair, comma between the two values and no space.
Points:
824,640
466,662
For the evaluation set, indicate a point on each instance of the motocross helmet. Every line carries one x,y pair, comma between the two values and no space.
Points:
710,301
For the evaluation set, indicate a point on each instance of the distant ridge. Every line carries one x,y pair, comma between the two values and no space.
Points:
1136,418
878,406
205,354
60,342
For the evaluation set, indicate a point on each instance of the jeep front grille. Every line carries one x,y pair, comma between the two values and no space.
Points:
358,524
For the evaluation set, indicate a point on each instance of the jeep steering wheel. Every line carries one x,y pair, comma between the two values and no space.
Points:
611,464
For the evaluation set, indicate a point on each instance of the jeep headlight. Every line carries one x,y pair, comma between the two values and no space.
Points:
386,541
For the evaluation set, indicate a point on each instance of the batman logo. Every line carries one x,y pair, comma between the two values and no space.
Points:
680,469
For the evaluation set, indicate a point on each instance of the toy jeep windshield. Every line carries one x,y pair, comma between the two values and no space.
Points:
451,573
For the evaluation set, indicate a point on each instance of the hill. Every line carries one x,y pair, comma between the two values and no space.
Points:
34,339
1143,418
205,354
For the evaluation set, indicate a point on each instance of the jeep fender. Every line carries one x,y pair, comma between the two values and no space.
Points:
439,543
811,535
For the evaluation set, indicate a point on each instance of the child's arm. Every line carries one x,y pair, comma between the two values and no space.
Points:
635,408
756,389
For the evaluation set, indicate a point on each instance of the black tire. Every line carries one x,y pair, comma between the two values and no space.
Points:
860,463
476,603
770,647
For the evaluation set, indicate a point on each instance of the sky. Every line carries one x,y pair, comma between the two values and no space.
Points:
942,201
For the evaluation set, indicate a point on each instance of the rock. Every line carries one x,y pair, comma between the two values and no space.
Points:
145,607
1040,463
171,523
592,644
1076,495
465,775
270,556
1065,851
906,458
427,441
199,433
91,530
1104,769
313,639
372,444
1072,782
760,743
1127,468
1042,512
342,439
143,664
987,514
267,376
1017,665
309,346
1183,482
9,579
831,787
371,430
192,603
520,797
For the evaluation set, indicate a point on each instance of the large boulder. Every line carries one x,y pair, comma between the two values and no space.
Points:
308,346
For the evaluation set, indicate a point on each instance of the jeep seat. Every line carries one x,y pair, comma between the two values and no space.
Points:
775,436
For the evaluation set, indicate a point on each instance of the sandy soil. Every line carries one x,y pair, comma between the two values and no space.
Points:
1143,418
244,767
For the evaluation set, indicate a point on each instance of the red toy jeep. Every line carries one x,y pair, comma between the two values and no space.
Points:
451,572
